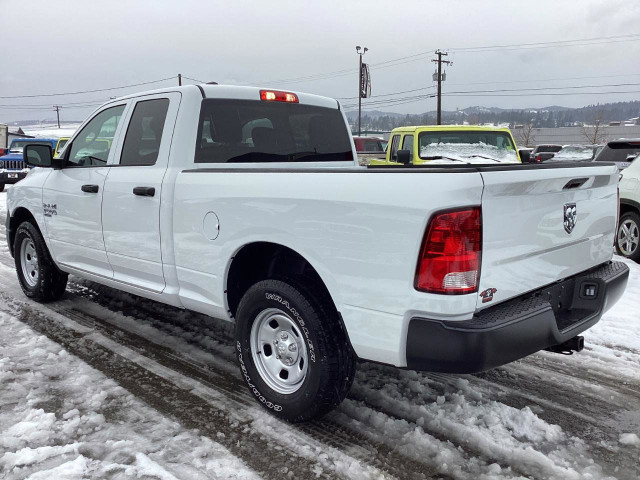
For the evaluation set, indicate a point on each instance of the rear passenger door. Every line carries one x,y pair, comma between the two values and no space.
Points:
132,191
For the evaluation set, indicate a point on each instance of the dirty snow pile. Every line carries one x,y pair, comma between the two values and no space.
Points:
60,418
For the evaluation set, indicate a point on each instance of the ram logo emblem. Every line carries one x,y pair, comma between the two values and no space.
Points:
487,295
570,217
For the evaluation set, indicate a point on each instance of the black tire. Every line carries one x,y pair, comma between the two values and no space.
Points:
51,282
632,253
1,187
331,365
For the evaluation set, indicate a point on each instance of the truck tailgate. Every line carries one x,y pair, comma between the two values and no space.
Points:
543,225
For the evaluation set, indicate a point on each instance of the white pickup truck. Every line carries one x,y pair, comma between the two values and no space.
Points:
248,204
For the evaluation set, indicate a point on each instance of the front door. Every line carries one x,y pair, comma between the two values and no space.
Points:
132,192
72,196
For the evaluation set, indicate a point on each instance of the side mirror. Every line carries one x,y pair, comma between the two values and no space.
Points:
404,157
38,155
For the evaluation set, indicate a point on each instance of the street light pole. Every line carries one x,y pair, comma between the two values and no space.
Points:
360,54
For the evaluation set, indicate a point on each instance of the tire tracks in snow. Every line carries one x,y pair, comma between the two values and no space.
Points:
241,438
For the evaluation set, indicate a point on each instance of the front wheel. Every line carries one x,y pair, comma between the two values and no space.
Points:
292,350
39,277
628,236
1,187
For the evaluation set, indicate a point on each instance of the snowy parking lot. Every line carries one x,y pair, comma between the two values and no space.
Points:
104,384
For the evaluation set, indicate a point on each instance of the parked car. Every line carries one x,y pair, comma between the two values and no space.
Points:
369,144
628,235
12,167
621,152
248,205
544,152
574,153
450,143
369,148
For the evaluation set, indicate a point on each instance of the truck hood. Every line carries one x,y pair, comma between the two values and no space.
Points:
12,156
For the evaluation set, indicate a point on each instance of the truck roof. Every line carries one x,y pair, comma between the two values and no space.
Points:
236,92
438,128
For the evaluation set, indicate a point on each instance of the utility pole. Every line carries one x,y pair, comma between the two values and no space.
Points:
179,79
57,109
439,61
360,54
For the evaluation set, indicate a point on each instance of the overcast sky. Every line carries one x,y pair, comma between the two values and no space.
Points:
67,46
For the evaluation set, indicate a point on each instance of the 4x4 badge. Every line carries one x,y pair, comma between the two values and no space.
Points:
570,217
487,295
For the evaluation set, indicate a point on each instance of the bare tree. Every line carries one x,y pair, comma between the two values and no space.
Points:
594,133
525,136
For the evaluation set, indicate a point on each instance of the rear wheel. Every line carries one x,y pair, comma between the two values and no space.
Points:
628,236
39,277
293,352
1,187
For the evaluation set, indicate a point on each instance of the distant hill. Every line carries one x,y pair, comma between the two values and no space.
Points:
551,116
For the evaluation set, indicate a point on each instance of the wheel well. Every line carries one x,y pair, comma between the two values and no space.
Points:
263,260
626,208
20,215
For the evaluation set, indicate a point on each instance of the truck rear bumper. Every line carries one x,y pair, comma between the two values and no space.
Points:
516,328
11,177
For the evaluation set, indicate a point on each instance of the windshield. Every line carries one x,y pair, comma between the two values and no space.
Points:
574,153
468,146
62,143
258,131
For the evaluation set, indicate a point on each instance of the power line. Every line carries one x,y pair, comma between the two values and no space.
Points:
88,91
486,93
420,55
193,79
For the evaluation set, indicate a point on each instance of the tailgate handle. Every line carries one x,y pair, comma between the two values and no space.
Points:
575,183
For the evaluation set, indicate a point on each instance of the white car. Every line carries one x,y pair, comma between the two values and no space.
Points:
628,237
248,204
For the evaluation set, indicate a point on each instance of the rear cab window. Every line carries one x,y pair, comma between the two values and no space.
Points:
253,131
619,152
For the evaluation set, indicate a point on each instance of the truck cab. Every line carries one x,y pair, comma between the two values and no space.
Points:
422,145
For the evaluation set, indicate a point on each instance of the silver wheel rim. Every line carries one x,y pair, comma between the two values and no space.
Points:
278,351
628,237
29,262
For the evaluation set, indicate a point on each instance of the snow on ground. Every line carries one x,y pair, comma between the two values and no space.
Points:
548,416
61,418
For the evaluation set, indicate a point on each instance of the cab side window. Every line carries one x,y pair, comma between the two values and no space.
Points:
407,144
395,141
144,133
91,146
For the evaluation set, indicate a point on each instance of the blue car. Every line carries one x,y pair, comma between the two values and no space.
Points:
12,167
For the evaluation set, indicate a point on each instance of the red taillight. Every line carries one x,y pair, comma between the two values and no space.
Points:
450,259
278,96
538,158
